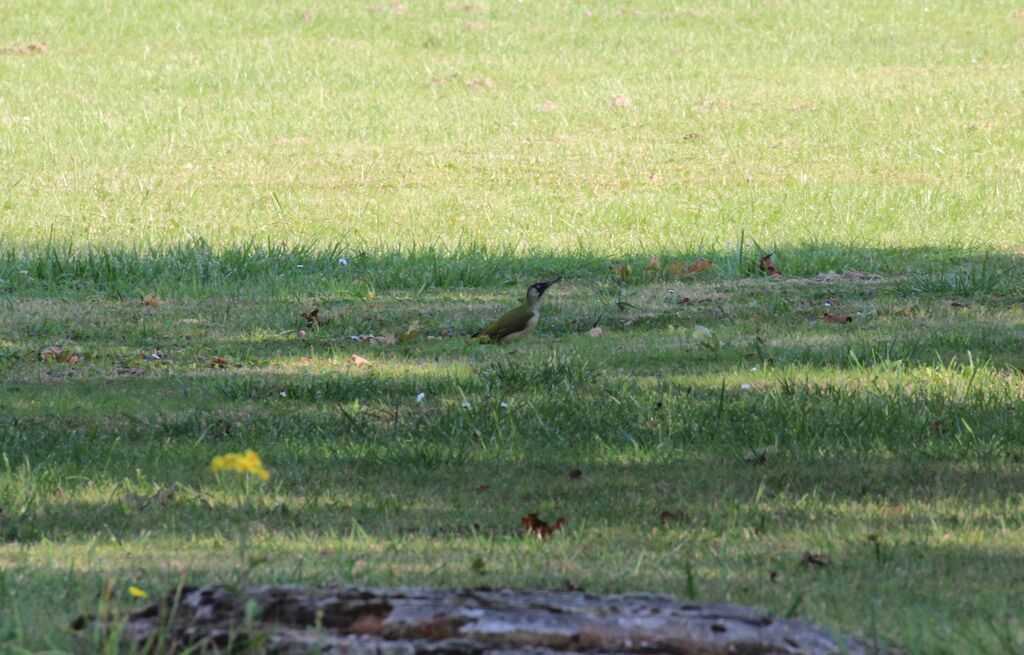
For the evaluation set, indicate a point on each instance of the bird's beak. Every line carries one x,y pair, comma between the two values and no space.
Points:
544,286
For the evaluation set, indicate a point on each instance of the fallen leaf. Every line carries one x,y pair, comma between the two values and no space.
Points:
151,300
308,16
815,559
837,318
692,136
219,362
679,515
698,266
768,266
595,331
359,361
621,101
312,318
575,474
58,354
549,106
539,527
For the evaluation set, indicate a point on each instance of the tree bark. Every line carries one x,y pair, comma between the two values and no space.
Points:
294,620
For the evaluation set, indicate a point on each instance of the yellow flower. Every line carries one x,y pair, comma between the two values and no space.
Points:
247,462
136,592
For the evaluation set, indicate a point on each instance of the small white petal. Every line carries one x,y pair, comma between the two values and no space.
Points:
746,385
343,261
504,405
283,394
301,266
420,396
467,405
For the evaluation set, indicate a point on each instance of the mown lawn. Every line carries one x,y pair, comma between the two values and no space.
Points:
408,168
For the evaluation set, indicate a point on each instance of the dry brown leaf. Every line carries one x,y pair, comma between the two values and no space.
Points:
312,318
621,101
219,362
58,354
698,266
768,266
837,318
575,474
692,136
151,300
358,361
539,527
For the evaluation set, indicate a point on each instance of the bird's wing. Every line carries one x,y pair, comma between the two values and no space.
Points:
495,331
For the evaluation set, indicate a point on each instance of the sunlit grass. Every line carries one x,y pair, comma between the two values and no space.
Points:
397,163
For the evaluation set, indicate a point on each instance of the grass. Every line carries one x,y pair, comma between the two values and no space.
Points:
396,165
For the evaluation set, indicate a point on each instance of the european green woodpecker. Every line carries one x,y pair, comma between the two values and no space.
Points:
518,322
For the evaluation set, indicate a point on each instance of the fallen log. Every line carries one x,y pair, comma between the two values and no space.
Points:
294,620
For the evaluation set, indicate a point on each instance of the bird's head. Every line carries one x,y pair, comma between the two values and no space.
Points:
536,290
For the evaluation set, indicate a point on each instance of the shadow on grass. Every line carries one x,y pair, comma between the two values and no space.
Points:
197,268
485,500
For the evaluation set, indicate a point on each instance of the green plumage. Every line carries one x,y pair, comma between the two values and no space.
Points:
519,321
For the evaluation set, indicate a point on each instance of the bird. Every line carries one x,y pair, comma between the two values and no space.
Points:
518,322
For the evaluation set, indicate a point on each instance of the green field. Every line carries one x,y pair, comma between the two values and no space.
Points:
408,169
